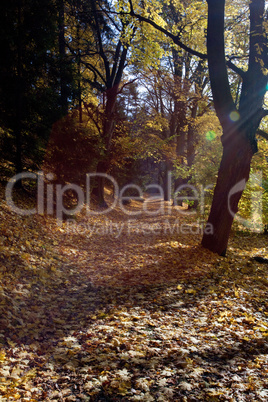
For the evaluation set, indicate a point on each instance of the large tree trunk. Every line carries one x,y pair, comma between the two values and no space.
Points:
238,139
232,177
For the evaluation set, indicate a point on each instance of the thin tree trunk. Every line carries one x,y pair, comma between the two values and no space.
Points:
167,180
181,145
62,60
98,189
18,116
108,129
78,61
191,136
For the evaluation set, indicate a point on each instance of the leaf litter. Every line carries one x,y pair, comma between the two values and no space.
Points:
92,313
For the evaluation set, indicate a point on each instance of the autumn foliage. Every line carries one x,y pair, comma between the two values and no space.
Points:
112,308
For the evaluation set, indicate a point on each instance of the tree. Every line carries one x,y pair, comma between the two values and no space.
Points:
182,80
106,42
63,62
159,128
29,78
239,123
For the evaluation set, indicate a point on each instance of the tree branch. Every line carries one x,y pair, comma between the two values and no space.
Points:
236,69
93,115
98,33
121,66
95,71
262,134
223,101
126,84
175,38
116,58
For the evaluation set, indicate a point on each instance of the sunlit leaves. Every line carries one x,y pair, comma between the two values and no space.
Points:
237,30
255,195
143,316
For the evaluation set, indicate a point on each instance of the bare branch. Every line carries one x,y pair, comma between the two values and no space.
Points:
236,69
126,84
98,33
116,58
95,71
262,134
93,114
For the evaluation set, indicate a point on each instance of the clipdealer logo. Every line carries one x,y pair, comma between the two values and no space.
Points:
55,195
135,227
54,199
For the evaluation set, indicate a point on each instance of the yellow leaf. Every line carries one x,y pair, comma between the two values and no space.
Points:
3,388
25,256
179,287
11,344
215,393
31,373
2,355
236,292
190,291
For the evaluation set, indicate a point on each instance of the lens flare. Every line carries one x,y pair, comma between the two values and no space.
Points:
234,116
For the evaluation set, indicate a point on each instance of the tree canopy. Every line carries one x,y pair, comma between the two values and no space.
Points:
134,151
111,87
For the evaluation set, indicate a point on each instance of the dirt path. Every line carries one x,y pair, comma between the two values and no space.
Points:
129,307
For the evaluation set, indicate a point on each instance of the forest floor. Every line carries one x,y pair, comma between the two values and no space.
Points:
118,307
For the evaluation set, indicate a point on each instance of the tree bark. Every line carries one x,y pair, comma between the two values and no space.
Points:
232,177
217,230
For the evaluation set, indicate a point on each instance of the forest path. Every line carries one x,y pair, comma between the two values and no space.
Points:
145,244
129,307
